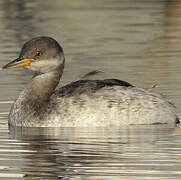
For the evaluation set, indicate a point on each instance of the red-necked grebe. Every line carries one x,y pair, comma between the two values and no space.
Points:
84,103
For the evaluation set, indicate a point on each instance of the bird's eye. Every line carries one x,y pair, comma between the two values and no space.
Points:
38,53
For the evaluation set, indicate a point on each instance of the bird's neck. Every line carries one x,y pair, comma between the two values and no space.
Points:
43,85
38,92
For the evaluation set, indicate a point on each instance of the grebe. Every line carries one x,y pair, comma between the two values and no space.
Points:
84,103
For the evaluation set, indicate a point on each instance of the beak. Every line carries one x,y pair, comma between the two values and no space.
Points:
17,63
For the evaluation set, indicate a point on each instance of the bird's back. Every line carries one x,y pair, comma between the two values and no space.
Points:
108,102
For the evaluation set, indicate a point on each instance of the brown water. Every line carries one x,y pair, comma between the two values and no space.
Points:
138,41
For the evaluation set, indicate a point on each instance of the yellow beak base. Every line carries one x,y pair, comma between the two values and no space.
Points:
17,63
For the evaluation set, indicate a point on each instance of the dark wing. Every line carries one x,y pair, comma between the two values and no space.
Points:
112,82
88,86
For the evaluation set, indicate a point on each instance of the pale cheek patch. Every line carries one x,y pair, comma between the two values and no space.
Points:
45,65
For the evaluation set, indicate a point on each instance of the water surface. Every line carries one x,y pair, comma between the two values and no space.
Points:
134,40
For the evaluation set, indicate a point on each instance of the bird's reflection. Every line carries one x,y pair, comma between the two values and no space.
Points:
55,153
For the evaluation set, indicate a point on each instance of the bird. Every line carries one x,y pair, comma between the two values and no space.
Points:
83,103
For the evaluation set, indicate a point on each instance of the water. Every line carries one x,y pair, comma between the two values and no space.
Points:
135,40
